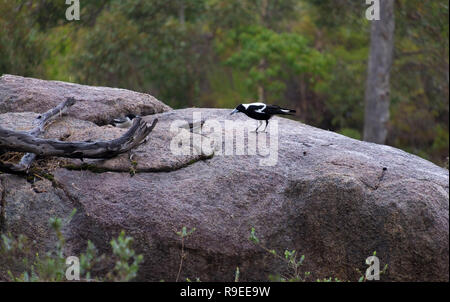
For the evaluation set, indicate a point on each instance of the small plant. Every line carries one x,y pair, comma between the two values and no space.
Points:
14,251
50,267
329,280
294,264
16,255
133,168
236,274
290,258
183,234
123,270
88,260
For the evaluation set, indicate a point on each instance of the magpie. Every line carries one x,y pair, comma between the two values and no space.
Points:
261,112
123,122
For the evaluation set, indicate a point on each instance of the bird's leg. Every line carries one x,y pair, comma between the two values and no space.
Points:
259,125
267,123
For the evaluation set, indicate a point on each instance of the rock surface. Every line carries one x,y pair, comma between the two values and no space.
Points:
334,199
95,104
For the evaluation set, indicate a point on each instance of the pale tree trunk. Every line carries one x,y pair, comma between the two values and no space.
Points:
181,13
261,93
377,96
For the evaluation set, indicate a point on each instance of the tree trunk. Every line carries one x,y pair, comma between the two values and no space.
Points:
377,96
181,14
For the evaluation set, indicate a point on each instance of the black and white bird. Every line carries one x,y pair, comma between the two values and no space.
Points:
123,122
261,112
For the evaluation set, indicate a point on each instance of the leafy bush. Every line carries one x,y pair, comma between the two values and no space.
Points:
18,263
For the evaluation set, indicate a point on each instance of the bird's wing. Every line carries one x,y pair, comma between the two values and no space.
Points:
257,107
272,109
246,106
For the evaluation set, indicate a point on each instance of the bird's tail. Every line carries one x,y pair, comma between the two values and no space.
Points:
287,111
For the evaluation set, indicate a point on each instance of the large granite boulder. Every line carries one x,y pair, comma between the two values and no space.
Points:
332,198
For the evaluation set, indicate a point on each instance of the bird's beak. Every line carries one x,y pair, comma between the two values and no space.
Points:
233,112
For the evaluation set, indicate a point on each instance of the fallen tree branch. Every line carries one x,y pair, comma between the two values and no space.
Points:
24,142
45,117
42,120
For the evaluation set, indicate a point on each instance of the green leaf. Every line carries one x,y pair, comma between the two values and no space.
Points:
253,236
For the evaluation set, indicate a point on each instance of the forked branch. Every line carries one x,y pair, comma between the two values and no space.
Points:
42,121
24,142
28,142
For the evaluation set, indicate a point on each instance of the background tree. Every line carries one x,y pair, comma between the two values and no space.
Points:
271,59
377,97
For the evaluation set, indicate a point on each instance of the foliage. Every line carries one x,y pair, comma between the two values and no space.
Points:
123,270
353,133
22,45
120,42
183,234
270,58
18,263
419,122
290,257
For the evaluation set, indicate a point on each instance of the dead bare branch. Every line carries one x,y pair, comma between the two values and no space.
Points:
24,142
42,121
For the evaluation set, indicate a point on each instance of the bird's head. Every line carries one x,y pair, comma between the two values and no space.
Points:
131,116
239,108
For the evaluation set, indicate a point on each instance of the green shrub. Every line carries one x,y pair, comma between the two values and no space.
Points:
19,263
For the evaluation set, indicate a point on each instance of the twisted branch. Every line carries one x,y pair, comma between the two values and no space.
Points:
20,141
43,119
